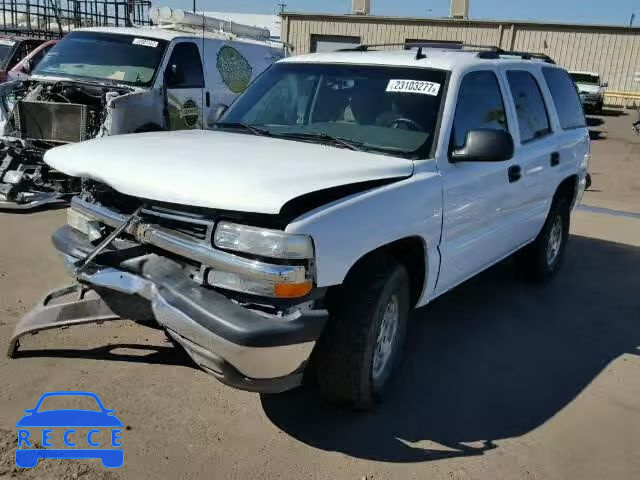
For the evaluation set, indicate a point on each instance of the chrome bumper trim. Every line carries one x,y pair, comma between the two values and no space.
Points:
199,251
253,362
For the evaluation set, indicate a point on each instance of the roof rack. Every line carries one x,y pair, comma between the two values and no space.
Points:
494,53
178,19
488,52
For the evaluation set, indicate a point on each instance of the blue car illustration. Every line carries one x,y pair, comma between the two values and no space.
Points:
69,418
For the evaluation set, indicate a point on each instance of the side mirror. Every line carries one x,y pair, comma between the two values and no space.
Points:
485,146
218,111
172,76
605,85
26,67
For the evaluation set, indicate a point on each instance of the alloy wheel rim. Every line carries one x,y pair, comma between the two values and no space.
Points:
385,343
555,241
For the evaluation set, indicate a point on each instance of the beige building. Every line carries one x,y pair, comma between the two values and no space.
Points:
612,51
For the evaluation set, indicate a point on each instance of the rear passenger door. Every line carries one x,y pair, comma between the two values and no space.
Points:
184,83
479,198
537,150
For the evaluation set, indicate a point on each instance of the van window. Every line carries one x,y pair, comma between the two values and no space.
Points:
480,106
533,119
186,57
565,98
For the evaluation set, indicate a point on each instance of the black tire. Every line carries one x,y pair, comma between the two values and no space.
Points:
537,260
345,358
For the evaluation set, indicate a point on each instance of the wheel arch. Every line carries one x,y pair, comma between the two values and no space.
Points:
568,189
410,252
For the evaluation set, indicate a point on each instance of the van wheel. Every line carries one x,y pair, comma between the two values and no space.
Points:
542,259
363,341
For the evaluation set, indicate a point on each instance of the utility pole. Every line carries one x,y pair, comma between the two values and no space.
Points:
282,6
633,17
194,6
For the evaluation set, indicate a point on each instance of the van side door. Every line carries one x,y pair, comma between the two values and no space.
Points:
184,86
478,196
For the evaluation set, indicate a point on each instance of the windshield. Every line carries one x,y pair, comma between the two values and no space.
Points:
585,78
387,109
118,58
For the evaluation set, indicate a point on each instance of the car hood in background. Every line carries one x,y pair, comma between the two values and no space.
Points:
589,88
222,170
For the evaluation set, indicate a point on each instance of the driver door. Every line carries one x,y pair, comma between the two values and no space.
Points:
184,84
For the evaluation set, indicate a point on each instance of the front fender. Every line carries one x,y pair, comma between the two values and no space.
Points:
346,230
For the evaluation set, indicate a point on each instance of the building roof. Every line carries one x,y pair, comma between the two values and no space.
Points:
442,59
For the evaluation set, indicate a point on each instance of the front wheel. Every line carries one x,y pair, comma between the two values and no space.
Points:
542,259
364,339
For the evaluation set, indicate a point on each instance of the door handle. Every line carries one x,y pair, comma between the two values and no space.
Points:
555,159
515,173
207,99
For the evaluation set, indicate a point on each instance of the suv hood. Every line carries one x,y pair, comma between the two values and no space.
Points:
221,170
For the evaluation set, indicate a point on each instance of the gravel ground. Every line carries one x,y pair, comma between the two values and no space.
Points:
501,379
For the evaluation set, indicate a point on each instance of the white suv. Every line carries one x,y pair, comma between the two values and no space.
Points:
340,191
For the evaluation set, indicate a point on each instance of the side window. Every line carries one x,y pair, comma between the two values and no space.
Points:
480,106
565,98
533,119
188,66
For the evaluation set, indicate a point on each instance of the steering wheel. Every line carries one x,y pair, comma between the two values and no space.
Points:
406,124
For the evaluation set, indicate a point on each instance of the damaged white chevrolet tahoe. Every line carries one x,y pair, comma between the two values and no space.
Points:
106,81
339,192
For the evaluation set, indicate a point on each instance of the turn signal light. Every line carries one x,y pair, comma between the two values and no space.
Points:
292,290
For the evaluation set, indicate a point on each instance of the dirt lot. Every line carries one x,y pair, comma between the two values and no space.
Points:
501,380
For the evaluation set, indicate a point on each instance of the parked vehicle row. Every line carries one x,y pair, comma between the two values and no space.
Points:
336,194
104,81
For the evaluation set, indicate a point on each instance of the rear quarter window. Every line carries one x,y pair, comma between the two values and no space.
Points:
565,98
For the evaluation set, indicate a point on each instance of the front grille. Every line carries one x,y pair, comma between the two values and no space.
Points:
177,221
52,122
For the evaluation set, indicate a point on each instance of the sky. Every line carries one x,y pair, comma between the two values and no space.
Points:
614,12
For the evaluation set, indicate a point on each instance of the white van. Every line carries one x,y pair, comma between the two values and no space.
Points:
114,80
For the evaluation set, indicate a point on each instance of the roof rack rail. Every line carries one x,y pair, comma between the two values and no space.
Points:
489,52
363,47
493,53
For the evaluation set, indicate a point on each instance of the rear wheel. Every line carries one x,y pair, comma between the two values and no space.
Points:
542,259
363,342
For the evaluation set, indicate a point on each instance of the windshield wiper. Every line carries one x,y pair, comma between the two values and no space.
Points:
244,126
351,144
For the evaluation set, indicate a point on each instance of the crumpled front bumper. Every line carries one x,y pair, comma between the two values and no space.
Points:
245,348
